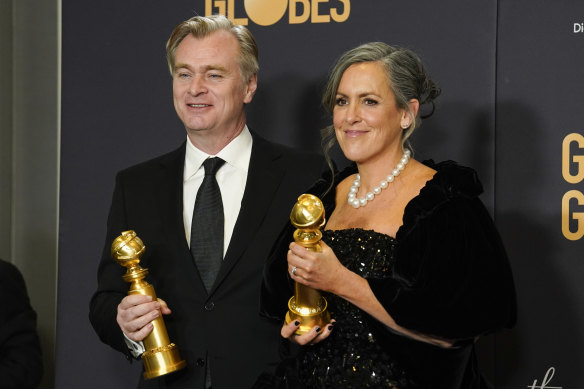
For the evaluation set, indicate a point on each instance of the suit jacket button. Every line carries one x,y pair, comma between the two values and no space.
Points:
200,362
210,306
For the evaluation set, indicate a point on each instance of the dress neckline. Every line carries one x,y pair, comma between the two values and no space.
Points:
340,230
450,180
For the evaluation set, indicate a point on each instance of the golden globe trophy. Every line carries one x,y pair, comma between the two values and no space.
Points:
161,357
307,305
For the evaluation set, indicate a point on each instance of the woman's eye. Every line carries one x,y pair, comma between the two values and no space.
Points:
340,101
370,102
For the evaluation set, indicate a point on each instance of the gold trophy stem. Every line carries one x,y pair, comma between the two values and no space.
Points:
161,356
306,296
159,336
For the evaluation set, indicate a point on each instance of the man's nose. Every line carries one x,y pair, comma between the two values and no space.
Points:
197,85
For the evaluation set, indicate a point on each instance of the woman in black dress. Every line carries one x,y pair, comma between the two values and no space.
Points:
412,266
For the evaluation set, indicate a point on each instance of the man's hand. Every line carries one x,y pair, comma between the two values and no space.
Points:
136,313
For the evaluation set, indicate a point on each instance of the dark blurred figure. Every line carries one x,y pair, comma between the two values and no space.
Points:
21,365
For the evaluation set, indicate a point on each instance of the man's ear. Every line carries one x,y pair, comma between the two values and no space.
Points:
250,88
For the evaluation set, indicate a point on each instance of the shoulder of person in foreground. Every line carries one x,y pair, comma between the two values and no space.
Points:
21,363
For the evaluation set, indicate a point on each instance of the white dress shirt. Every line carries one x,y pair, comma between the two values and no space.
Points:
231,178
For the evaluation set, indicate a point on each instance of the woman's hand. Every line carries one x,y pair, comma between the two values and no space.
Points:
319,270
315,335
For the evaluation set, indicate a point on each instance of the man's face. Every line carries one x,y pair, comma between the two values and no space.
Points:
208,89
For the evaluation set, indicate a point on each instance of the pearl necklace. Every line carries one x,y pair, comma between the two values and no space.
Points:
352,196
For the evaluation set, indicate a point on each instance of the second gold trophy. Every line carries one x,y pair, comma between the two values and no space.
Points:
307,305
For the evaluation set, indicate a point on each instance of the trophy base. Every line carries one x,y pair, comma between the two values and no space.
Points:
308,317
161,361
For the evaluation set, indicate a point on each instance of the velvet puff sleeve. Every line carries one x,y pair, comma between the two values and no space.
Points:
451,277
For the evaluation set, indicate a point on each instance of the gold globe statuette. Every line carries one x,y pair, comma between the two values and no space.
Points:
307,305
161,356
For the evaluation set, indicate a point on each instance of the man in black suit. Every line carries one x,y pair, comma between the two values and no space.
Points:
21,364
214,319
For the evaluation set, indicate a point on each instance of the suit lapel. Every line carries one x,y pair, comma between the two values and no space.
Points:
264,177
170,195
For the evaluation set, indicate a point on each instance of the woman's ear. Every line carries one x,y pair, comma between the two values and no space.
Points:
407,120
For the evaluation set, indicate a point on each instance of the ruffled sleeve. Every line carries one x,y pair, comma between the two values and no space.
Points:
451,277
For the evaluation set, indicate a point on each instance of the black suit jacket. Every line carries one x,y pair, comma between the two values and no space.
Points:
21,364
222,328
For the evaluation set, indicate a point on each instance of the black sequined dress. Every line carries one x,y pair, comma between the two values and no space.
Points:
352,357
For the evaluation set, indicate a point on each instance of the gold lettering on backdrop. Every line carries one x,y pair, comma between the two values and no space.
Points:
573,198
340,18
231,14
219,4
577,159
268,12
316,18
293,17
264,15
569,215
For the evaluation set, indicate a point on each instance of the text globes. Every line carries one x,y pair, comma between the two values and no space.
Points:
268,12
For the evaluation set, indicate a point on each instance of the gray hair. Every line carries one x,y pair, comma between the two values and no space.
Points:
202,26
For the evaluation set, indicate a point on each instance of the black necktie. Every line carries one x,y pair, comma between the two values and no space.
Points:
207,226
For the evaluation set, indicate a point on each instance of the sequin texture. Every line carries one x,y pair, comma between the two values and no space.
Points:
351,356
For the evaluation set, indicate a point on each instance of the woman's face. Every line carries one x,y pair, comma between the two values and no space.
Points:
367,121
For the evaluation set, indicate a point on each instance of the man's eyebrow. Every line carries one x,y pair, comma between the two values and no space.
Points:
181,66
206,68
215,67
